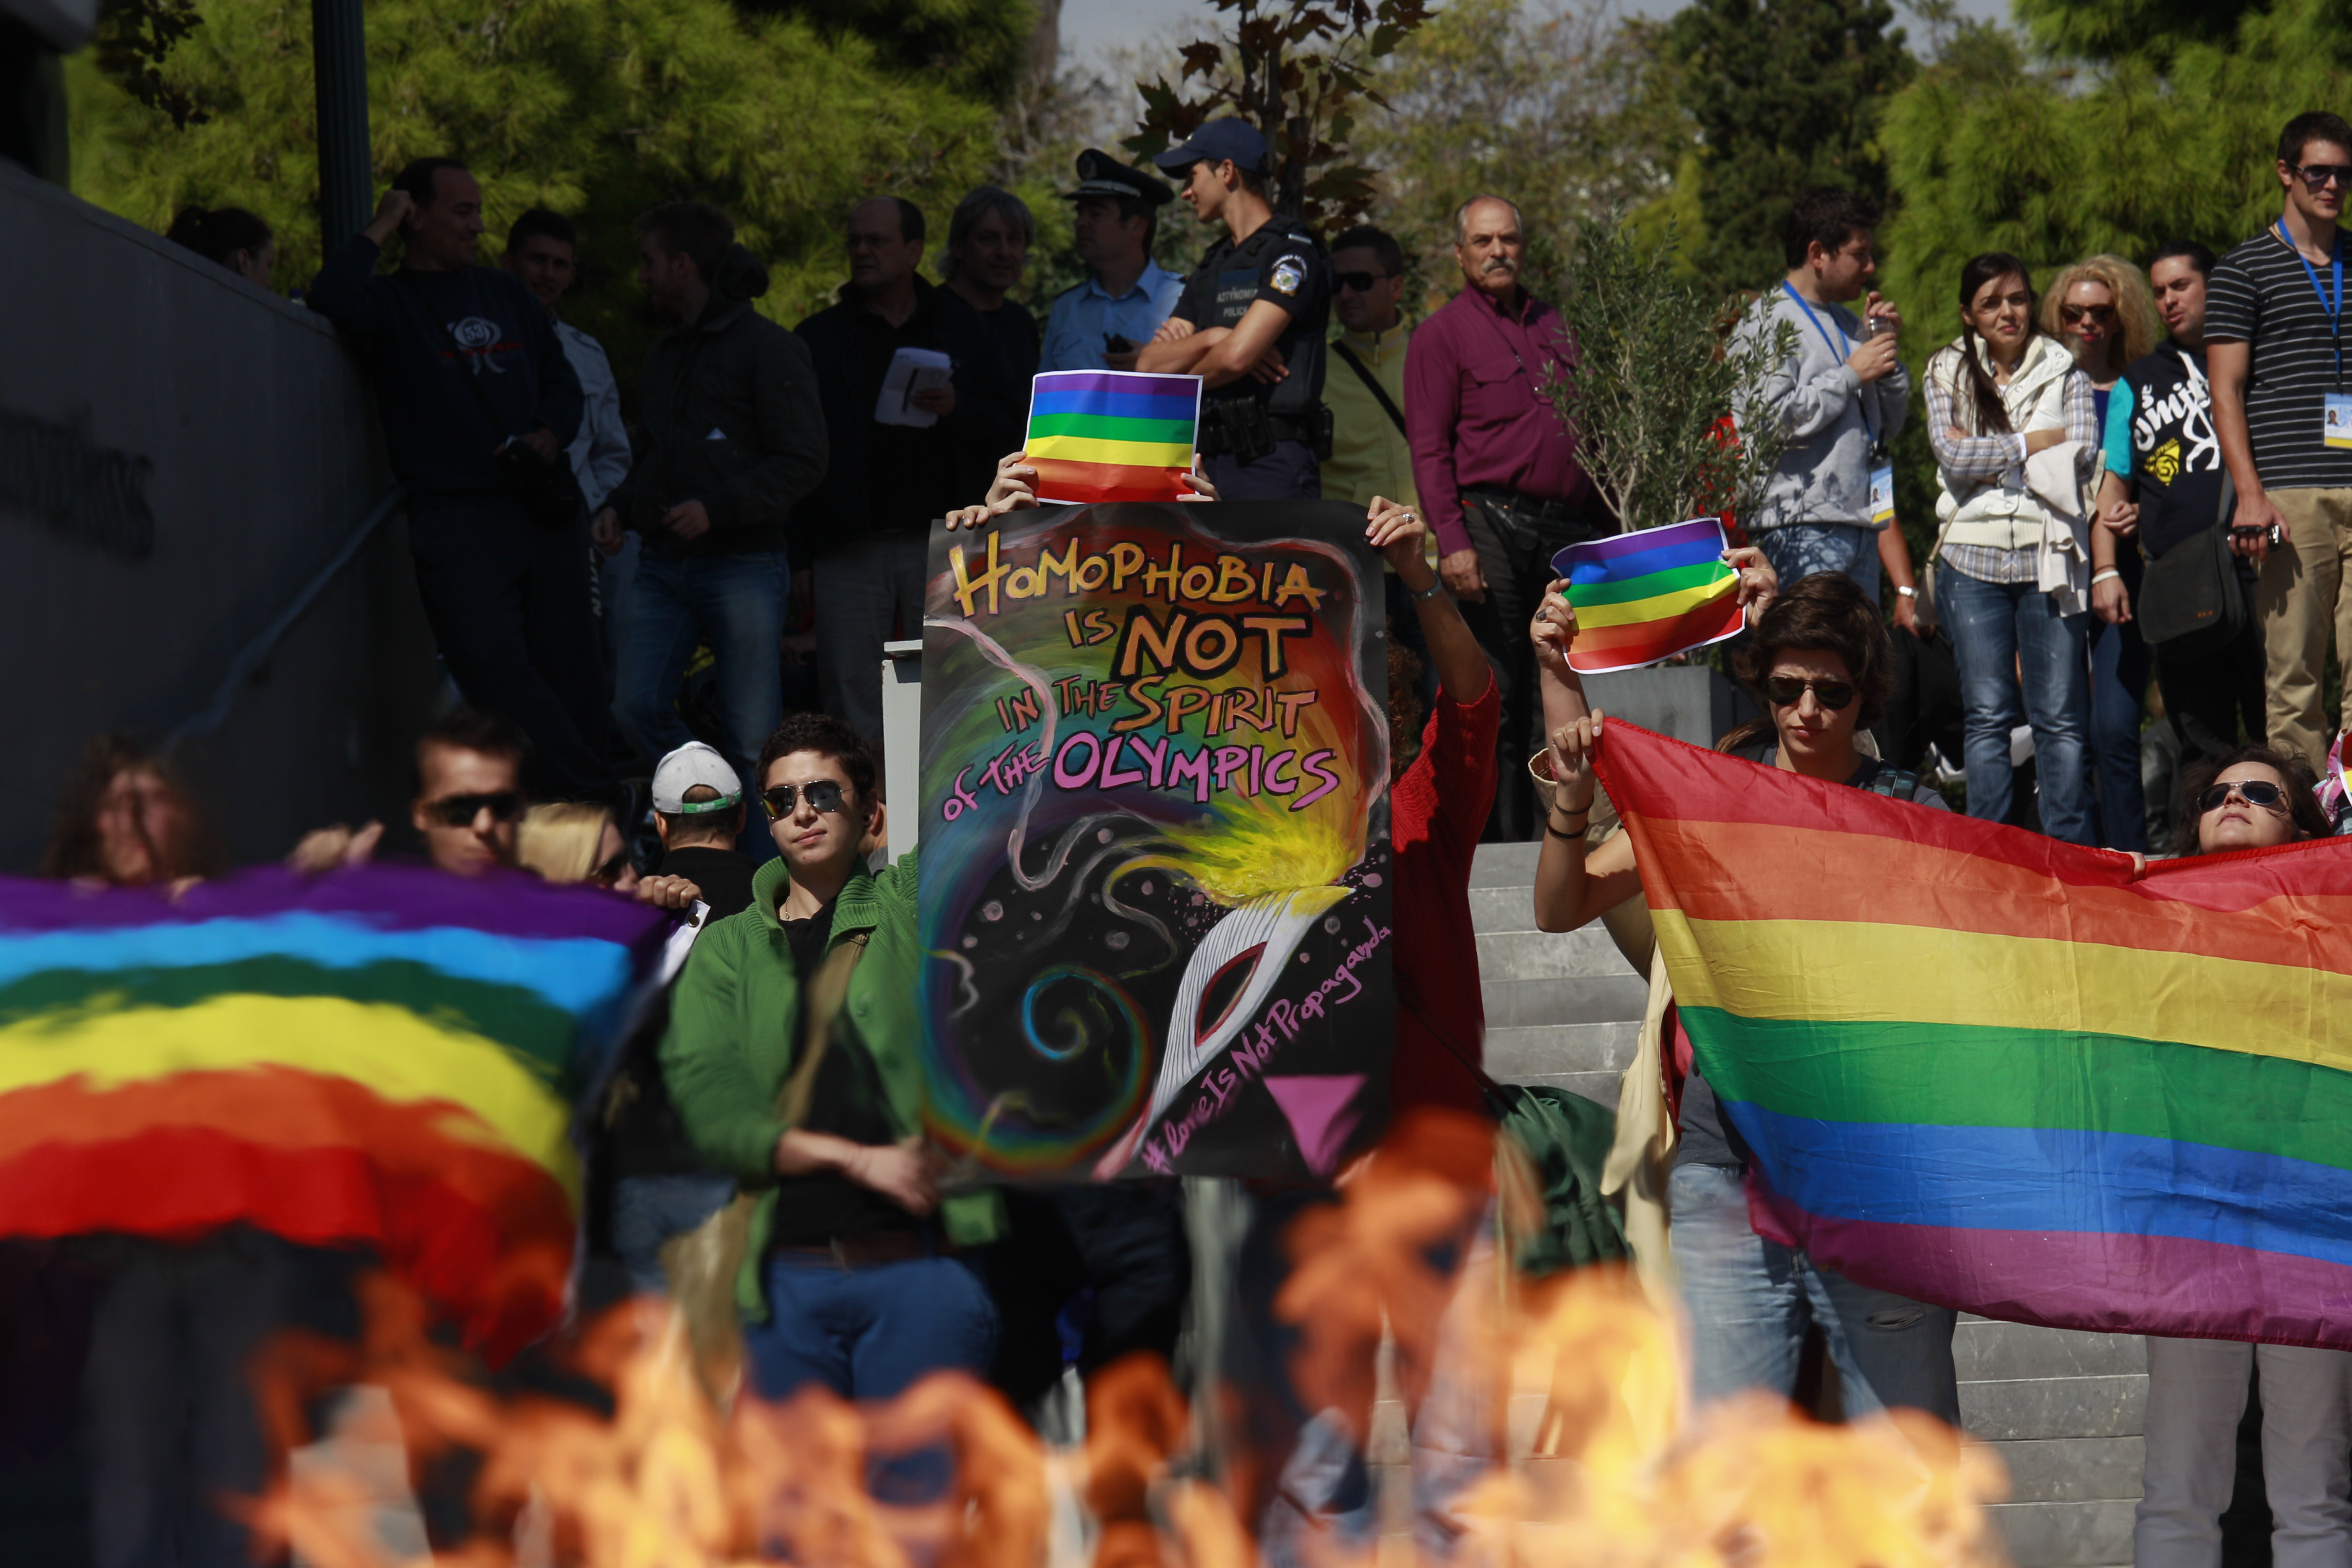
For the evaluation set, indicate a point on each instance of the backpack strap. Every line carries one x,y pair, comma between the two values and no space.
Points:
821,1002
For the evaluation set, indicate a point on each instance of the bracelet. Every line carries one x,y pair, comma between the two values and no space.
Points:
1563,834
2110,573
1906,590
1422,597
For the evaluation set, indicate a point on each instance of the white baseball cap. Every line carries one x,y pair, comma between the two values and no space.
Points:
691,764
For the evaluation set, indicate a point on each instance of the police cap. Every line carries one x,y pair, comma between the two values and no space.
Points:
1100,175
1232,138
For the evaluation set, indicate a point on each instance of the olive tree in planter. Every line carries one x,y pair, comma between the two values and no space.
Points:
1660,376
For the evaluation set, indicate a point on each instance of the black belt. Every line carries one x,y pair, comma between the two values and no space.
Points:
1530,508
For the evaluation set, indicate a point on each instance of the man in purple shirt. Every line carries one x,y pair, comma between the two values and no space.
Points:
1496,469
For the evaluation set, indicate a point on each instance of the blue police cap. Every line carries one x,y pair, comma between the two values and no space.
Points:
1219,140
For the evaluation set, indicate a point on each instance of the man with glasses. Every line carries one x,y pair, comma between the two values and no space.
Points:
469,800
2274,333
1104,322
867,524
1249,323
1840,396
1496,469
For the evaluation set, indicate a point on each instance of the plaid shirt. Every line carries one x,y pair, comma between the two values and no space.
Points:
1989,458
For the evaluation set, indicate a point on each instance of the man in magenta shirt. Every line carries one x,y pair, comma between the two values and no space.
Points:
1496,468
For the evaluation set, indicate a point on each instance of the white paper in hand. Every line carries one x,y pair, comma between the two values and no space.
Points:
912,370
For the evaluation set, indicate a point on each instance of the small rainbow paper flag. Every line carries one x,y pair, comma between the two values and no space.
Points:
1107,435
1641,597
387,1057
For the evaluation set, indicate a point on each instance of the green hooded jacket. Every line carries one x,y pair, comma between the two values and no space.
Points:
735,1034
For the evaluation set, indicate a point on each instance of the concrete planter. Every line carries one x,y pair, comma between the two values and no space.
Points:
1689,701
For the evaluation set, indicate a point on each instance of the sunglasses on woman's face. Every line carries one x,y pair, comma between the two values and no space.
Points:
2070,314
609,873
1788,690
2253,791
824,795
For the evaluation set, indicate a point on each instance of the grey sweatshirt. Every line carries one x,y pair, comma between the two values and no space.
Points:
1828,414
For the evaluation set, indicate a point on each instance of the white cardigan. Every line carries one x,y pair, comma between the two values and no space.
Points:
1983,496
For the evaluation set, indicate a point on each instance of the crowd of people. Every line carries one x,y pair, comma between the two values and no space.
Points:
2140,473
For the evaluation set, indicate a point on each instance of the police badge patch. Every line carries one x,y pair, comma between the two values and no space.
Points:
1288,274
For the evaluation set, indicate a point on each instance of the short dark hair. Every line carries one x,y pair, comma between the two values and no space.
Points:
1379,241
700,827
420,177
1828,610
1826,216
2317,125
695,230
827,736
471,729
2302,791
217,234
2197,254
538,223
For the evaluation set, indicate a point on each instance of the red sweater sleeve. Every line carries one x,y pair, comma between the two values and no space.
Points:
1459,741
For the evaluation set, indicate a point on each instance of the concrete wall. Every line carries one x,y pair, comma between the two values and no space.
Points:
180,455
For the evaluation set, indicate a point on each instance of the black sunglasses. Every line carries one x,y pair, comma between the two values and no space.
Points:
2317,174
824,795
609,873
1788,690
1361,282
459,810
2253,791
2071,313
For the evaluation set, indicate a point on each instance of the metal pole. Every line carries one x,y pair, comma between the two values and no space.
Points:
339,63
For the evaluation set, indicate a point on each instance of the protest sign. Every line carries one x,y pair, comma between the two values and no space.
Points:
1154,881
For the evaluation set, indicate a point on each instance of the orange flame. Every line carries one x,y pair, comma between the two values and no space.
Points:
1620,1473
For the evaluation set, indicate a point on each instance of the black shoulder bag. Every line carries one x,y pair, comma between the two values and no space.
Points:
1372,384
2191,602
549,491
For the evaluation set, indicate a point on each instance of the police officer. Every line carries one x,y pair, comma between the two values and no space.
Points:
1250,325
1104,322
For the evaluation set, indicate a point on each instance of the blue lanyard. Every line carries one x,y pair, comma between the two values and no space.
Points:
2334,308
1842,346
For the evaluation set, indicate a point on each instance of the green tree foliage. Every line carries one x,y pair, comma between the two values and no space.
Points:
2172,137
1784,94
1299,71
1653,382
1563,111
599,109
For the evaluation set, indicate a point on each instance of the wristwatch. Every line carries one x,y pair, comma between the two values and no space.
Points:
1906,590
1422,597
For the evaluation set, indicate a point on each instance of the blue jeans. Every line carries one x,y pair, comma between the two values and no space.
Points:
2119,671
2001,631
871,1332
649,1210
1750,1301
1802,548
734,604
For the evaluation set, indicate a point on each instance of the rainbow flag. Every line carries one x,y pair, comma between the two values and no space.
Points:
1996,1072
1107,435
1641,597
386,1057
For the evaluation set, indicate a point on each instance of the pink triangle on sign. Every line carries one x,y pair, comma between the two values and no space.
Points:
1318,1111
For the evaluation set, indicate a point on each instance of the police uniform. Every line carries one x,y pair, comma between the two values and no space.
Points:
1262,441
1084,316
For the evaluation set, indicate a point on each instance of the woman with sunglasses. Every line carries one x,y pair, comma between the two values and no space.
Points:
2251,798
2101,310
1999,395
1817,659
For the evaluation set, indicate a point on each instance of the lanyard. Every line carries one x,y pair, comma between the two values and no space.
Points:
2334,308
1842,346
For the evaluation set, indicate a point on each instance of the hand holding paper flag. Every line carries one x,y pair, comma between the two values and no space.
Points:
1641,597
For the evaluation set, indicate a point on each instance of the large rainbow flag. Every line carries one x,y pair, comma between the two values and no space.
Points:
1112,435
1996,1072
386,1057
1643,597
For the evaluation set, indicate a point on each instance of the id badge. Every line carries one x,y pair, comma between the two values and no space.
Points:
1882,484
2337,431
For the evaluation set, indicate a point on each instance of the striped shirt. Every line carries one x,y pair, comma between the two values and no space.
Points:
2259,295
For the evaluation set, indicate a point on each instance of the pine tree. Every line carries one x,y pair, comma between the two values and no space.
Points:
1784,94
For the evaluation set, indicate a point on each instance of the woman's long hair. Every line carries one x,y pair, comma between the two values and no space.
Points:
1991,412
2302,792
217,234
559,839
1827,611
75,846
2137,324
